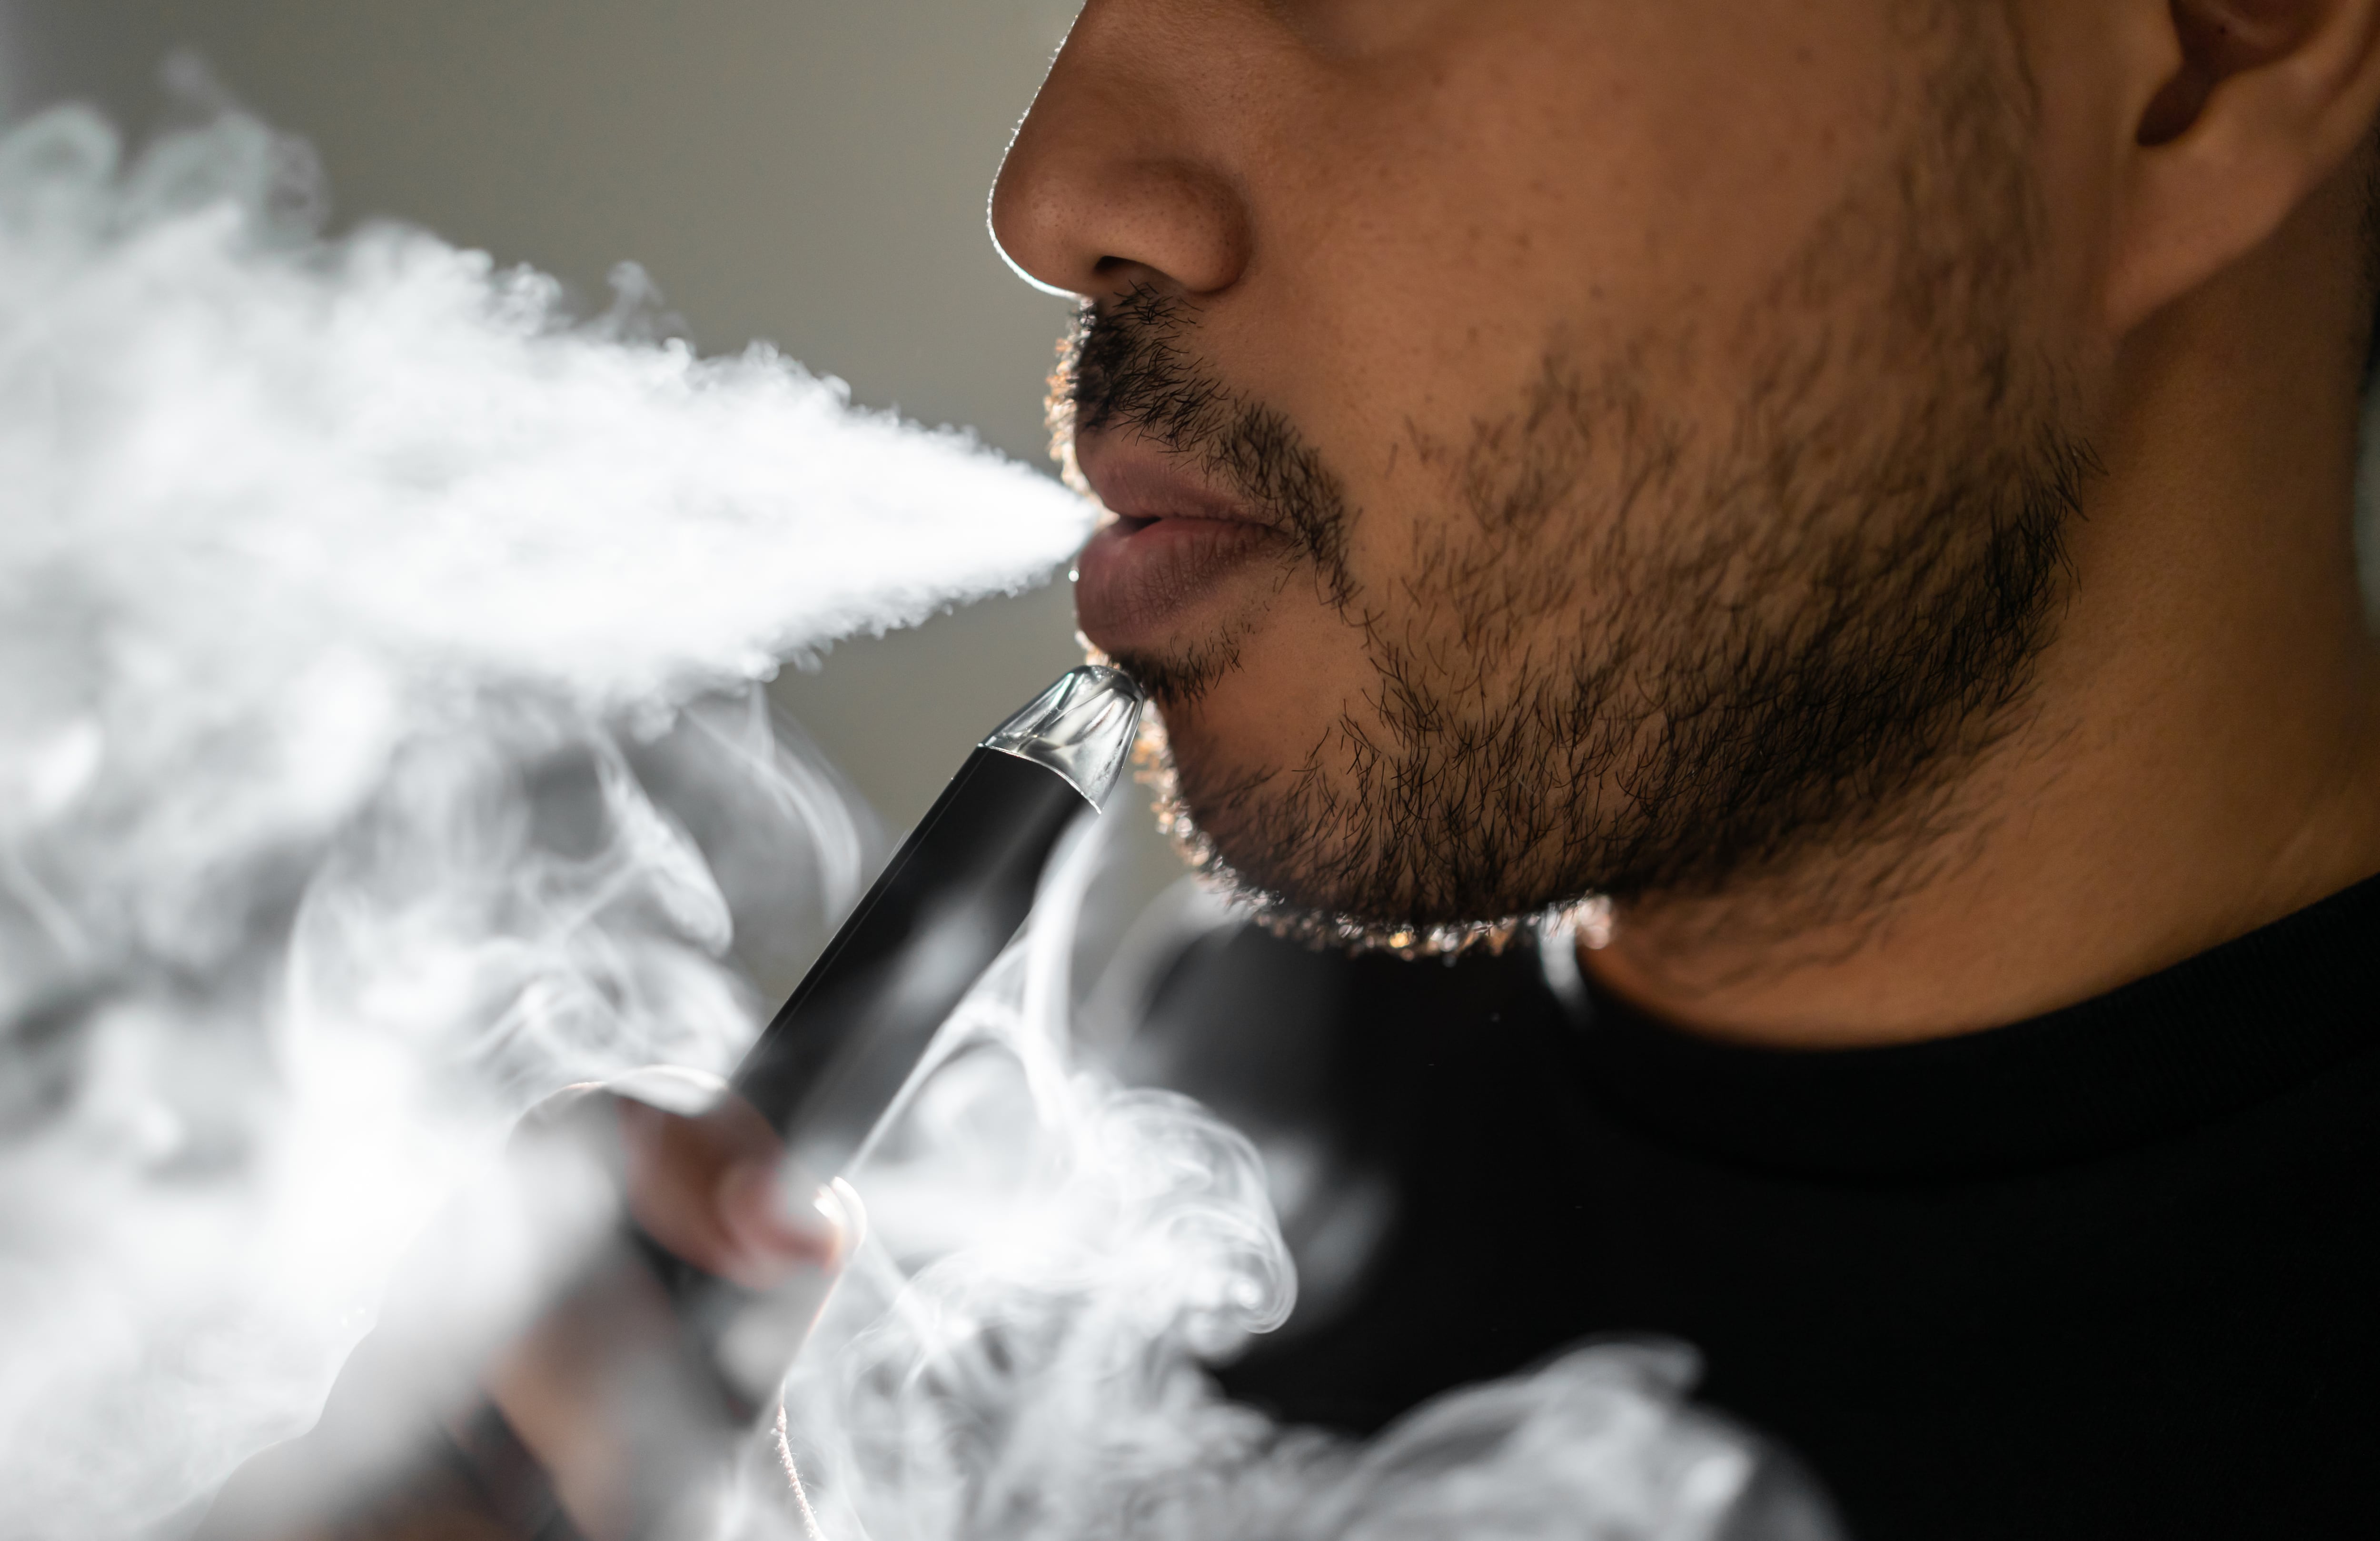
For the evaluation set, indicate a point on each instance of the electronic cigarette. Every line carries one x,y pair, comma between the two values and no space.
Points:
833,1062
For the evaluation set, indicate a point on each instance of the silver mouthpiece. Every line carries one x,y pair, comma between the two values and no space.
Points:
1080,727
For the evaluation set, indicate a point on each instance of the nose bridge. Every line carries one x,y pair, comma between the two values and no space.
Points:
1119,176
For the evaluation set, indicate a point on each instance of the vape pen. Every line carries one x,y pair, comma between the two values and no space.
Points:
828,1068
832,1063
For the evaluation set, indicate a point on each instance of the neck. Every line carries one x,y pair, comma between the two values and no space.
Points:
2200,755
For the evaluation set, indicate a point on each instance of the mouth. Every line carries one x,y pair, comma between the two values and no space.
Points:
1165,564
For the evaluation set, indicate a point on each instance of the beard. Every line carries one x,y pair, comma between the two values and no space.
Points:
1638,656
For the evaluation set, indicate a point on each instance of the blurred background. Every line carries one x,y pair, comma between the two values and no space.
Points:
810,171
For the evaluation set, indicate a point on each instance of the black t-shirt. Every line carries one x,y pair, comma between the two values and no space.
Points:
2111,1273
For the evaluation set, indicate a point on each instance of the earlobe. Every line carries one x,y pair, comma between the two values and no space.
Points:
2268,99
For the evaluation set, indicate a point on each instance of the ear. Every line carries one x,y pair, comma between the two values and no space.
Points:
2246,106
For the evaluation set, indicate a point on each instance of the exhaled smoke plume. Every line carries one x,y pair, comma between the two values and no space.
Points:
348,597
378,750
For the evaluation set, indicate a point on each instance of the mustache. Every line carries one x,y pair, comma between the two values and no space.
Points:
1127,368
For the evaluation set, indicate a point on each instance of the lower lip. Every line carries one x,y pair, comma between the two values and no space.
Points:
1136,580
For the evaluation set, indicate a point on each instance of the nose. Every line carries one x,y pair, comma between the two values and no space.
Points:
1110,183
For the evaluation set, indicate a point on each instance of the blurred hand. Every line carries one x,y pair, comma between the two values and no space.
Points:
705,1180
532,1296
620,1404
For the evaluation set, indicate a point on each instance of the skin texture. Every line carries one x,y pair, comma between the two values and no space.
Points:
1864,483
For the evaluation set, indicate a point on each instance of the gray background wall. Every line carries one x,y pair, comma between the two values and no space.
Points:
812,171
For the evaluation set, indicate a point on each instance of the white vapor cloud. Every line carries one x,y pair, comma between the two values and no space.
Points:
352,603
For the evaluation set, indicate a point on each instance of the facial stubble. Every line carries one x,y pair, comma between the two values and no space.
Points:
1636,657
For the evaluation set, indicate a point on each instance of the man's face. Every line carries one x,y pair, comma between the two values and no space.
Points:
1558,446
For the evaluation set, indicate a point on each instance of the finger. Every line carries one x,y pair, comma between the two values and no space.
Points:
711,1188
774,1226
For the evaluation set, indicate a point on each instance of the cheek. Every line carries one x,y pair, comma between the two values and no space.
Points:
1604,195
2083,143
1591,175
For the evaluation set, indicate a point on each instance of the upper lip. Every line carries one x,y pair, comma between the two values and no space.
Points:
1141,481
